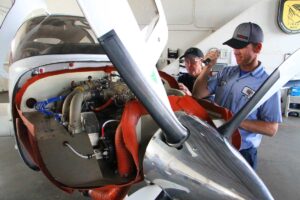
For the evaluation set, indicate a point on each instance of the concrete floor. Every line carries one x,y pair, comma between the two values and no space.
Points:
279,167
18,182
279,163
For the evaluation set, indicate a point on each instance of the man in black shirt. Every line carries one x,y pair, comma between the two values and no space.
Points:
193,58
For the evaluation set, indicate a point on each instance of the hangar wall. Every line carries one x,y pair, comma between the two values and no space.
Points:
191,21
4,4
208,23
276,45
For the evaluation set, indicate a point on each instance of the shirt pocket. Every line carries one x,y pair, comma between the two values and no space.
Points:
241,101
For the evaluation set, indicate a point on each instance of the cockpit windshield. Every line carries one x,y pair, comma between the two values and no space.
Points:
47,35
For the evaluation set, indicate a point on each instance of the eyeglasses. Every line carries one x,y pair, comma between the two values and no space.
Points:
192,61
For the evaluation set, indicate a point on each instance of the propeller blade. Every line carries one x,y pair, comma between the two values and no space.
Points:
206,167
134,54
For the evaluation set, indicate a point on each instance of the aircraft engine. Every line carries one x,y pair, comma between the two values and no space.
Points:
72,118
89,109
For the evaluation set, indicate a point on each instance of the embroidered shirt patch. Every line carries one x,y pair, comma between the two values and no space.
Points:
248,92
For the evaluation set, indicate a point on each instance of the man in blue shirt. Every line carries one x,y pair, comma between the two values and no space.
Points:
234,86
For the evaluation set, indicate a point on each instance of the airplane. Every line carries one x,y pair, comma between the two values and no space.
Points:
91,112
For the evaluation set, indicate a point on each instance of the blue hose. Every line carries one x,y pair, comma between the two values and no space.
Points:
41,107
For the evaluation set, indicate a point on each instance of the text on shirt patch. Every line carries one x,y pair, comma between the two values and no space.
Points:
248,92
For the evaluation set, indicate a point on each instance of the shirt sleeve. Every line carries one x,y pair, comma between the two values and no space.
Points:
212,83
270,111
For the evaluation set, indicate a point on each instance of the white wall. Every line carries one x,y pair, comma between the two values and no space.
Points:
191,21
276,43
6,126
3,81
4,7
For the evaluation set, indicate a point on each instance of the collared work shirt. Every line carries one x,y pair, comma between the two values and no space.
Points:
232,91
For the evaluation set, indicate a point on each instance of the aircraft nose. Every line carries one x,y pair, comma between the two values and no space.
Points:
206,167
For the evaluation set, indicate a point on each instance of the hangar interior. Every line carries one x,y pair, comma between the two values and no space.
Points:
278,166
200,23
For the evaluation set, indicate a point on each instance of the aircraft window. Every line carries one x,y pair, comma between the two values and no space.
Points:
54,35
78,48
82,23
84,40
48,40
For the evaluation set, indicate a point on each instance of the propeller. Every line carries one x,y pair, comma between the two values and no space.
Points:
135,56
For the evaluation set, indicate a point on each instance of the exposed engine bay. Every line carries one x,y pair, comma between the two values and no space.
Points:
72,123
73,120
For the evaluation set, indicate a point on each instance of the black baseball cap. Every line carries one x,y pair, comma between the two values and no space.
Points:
245,34
193,51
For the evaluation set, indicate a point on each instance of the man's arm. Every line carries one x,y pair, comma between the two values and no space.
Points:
270,117
262,127
200,89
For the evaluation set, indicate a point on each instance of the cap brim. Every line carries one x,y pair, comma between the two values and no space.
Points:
236,44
